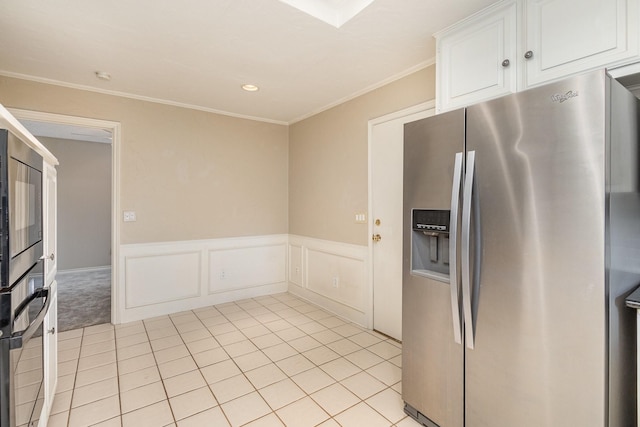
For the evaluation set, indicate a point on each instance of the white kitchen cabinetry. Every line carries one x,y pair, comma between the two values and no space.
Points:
51,351
569,36
50,208
49,218
476,57
517,44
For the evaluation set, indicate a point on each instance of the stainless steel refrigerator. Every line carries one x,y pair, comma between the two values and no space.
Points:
521,240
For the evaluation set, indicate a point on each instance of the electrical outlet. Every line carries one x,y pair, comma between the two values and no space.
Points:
361,218
129,216
297,270
336,282
223,275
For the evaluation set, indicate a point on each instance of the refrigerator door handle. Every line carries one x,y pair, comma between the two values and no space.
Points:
454,280
466,249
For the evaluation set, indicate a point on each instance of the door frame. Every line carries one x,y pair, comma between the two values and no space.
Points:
419,108
115,129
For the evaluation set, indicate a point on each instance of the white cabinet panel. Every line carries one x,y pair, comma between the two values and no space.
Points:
50,209
51,348
570,36
49,221
477,61
483,49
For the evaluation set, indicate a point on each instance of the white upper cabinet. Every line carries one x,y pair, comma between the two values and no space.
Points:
476,58
569,36
517,44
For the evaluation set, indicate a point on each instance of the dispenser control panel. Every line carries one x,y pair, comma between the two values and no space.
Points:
430,220
430,243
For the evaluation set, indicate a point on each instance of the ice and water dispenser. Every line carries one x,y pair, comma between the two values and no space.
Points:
430,243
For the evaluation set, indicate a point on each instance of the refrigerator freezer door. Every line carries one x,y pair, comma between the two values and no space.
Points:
432,363
540,335
624,243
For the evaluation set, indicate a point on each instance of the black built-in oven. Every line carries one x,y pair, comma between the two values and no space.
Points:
24,298
22,352
20,208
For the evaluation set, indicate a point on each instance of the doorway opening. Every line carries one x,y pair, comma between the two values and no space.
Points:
87,235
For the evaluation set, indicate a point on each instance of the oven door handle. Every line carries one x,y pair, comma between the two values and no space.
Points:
17,339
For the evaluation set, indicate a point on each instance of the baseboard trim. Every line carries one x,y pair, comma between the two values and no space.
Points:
83,270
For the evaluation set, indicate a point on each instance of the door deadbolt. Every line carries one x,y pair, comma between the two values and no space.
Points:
378,221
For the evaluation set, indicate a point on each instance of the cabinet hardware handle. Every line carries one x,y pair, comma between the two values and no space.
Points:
505,63
52,256
52,330
528,54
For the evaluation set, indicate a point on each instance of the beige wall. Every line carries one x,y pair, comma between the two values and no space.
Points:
84,202
328,160
188,174
195,175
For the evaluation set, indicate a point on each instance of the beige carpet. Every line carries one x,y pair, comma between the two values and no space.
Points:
84,298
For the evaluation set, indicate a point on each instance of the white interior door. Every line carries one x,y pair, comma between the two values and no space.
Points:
386,216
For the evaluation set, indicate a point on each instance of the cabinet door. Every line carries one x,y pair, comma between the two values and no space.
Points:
50,217
51,349
571,36
476,59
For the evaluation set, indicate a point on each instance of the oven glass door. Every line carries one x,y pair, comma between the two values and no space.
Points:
29,380
28,360
25,206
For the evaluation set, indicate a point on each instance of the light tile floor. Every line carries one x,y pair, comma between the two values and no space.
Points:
269,361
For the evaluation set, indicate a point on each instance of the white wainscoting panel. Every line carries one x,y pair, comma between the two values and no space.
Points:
161,278
295,264
334,276
233,269
168,277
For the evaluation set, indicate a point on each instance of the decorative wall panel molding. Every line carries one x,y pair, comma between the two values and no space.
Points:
155,279
162,278
332,275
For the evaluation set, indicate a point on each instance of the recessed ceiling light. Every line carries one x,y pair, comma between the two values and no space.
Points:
103,75
250,88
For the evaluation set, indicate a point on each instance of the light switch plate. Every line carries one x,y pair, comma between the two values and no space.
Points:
129,216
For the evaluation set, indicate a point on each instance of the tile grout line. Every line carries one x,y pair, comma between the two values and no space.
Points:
75,378
276,315
153,353
197,367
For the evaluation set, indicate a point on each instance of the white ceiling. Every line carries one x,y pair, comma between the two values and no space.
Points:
199,52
